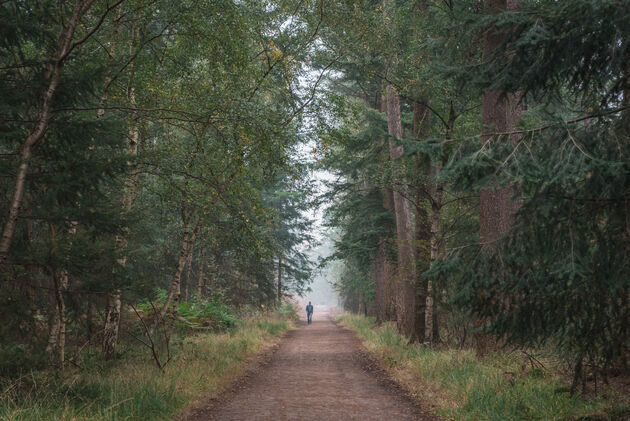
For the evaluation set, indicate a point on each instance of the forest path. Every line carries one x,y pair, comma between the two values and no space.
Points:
317,373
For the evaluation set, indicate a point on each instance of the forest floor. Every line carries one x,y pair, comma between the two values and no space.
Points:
319,372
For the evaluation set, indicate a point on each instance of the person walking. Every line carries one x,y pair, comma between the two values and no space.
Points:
309,313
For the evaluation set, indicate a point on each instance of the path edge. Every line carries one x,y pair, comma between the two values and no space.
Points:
376,368
200,408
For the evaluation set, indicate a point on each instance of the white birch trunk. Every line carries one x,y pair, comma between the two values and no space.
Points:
200,275
114,298
44,115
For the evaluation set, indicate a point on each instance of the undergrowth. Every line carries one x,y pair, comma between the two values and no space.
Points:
132,387
209,315
461,386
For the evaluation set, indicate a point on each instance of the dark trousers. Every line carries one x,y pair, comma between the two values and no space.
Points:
309,316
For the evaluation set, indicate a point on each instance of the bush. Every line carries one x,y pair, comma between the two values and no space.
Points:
287,309
212,314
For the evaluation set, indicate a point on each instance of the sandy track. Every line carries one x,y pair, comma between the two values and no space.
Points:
317,373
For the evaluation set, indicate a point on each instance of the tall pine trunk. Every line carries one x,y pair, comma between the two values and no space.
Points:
499,113
405,291
383,267
422,238
437,193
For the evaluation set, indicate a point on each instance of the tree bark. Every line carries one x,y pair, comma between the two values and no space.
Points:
279,285
114,298
61,284
174,296
53,332
90,316
378,277
57,337
421,123
44,114
200,275
436,211
112,323
382,267
187,245
406,292
499,113
188,273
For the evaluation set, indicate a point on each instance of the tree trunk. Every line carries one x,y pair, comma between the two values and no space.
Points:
436,211
499,113
188,273
200,275
53,333
112,323
44,114
378,277
90,316
114,298
382,269
60,282
279,286
406,292
187,245
436,320
188,241
421,124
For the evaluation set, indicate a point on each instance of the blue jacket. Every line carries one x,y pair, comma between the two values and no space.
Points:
309,308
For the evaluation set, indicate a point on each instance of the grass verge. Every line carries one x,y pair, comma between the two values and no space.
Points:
133,388
459,386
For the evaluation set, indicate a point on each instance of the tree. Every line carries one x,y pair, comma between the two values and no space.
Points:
555,278
50,78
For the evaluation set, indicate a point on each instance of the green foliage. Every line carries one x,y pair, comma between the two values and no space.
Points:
553,46
289,200
213,92
199,314
561,276
566,258
356,211
287,310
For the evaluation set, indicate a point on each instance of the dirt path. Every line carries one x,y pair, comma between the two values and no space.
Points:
317,373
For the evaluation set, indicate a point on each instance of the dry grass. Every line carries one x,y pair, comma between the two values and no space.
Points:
132,388
459,386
